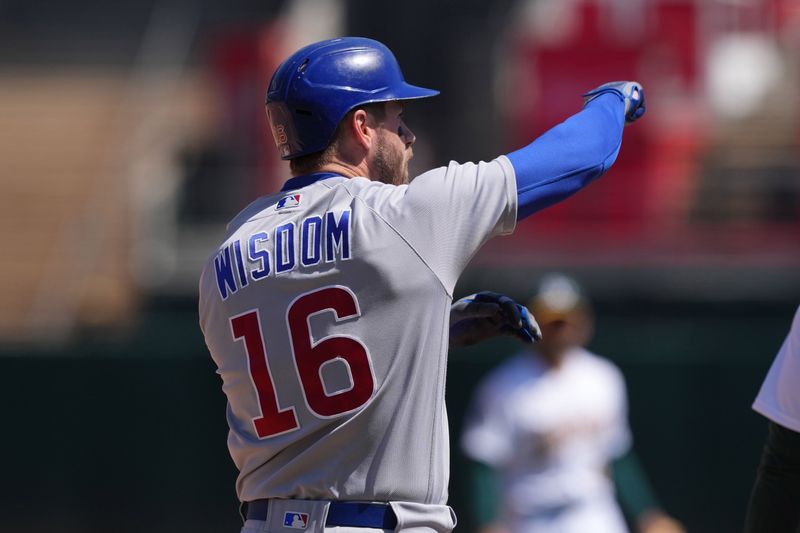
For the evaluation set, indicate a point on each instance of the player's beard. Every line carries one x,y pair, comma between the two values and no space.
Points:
390,164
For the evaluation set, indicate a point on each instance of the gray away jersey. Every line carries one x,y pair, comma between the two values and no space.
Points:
326,311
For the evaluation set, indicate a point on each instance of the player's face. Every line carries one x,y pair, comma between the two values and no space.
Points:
393,149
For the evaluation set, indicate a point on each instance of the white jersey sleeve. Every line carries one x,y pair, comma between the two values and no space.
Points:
447,213
488,435
618,437
779,397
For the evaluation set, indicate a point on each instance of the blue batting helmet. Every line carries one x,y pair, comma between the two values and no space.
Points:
311,92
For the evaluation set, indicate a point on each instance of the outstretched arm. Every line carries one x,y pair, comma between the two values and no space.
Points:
638,499
569,156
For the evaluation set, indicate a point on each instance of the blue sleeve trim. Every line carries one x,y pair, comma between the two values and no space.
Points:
569,156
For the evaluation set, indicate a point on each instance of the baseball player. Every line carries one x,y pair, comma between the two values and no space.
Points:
546,425
326,307
775,501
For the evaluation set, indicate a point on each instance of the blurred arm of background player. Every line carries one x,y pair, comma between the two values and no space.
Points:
775,500
638,498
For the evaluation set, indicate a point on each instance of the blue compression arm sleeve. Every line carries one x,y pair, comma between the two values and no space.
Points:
570,155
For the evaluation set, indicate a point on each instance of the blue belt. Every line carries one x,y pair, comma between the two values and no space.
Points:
348,514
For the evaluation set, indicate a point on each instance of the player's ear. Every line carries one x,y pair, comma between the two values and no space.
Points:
361,127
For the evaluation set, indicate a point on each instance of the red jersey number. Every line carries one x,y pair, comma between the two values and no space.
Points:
309,357
273,420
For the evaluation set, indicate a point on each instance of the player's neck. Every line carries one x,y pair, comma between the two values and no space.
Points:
348,170
552,359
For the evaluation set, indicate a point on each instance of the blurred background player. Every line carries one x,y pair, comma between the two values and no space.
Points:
775,501
546,427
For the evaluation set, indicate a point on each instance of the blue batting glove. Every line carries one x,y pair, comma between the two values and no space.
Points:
632,94
529,330
488,314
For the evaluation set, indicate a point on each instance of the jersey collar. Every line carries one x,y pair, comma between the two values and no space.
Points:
299,182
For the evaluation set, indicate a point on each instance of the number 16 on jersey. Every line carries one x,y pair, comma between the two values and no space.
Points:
309,358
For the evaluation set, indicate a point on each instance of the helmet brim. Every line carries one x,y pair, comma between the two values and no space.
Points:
406,91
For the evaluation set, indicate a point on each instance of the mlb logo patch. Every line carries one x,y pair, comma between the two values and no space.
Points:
295,520
293,200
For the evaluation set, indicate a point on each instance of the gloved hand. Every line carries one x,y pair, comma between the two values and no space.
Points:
631,92
489,314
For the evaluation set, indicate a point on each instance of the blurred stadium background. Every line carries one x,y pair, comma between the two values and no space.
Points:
130,132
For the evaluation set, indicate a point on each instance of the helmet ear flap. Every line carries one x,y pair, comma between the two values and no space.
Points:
283,128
